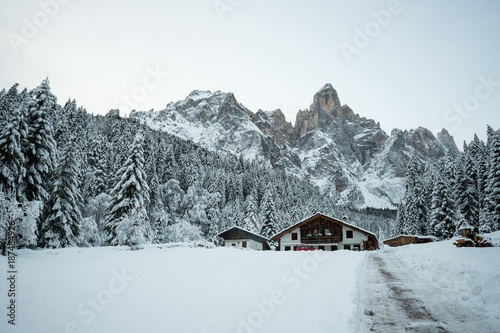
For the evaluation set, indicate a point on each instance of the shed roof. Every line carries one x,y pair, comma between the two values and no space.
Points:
249,234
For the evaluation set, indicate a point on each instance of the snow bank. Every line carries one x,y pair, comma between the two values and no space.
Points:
495,238
182,290
469,276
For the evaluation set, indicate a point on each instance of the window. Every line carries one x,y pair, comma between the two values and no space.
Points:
233,244
348,233
347,247
334,248
294,236
321,247
244,244
287,248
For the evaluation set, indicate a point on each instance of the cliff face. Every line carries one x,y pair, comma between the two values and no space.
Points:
349,156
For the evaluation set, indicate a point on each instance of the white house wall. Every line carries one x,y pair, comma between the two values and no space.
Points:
251,244
286,240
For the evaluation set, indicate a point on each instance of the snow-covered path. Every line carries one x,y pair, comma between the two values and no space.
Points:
394,297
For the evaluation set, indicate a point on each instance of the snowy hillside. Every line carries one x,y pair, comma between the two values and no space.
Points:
216,121
340,151
163,289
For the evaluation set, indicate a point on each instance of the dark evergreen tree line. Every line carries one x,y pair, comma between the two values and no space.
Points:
462,190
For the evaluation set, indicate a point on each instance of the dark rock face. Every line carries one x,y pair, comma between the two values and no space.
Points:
330,144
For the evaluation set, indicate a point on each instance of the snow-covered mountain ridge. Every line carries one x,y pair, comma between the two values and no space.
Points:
347,155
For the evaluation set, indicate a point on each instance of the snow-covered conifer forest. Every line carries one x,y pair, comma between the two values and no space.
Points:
70,178
463,189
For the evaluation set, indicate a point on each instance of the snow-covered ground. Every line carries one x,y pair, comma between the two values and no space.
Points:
425,287
432,287
182,290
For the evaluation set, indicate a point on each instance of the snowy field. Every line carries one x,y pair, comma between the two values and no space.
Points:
161,289
182,290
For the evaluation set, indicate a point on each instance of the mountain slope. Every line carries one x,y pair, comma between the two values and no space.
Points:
349,156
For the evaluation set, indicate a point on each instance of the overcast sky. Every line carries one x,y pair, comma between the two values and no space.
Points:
403,63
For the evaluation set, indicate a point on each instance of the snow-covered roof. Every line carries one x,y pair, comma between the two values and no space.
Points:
329,217
244,230
466,227
413,236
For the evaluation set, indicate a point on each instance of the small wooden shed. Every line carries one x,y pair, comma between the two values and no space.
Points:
239,237
408,239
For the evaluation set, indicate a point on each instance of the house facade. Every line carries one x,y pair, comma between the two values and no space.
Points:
241,238
326,233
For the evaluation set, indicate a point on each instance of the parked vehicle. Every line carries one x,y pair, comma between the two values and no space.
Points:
470,239
304,248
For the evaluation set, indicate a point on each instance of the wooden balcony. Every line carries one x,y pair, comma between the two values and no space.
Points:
321,239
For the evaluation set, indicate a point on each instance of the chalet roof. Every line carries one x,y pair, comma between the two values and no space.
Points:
251,235
311,218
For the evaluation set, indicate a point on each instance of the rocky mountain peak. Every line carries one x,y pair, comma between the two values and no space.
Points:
326,99
447,141
349,156
325,109
200,94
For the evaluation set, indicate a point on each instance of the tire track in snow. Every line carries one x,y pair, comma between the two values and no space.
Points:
393,299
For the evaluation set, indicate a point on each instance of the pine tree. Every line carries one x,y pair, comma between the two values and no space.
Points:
130,200
251,222
269,219
493,186
8,102
213,215
466,192
61,226
41,149
442,218
96,177
397,227
413,215
12,159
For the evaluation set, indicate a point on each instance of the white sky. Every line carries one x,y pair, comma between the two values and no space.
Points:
271,54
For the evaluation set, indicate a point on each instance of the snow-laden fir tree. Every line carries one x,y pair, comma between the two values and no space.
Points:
268,214
493,187
213,215
478,154
96,173
251,221
41,150
415,216
12,159
442,219
127,218
238,215
397,228
466,193
8,102
61,225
